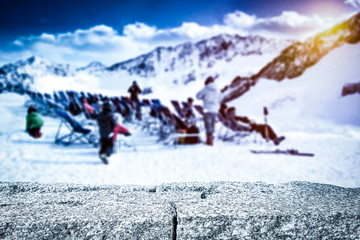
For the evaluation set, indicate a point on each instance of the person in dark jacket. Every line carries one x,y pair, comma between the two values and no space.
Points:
74,107
134,91
33,122
107,123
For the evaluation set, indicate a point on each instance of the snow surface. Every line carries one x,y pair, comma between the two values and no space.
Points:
307,110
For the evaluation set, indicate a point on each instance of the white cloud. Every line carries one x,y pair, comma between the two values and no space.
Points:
289,23
240,19
354,3
192,30
47,37
104,43
139,31
18,43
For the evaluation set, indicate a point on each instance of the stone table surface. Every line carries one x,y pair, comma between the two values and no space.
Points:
218,210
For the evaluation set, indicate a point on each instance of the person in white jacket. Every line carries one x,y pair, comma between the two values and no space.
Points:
210,95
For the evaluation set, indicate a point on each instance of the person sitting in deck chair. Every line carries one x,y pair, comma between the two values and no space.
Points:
88,109
74,107
33,122
222,112
188,112
245,124
190,131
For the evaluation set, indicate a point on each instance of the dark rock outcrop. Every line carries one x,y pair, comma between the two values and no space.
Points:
350,88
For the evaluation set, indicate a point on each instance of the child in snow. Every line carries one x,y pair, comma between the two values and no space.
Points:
107,123
109,128
33,122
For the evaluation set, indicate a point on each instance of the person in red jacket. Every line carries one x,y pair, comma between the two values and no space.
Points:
89,110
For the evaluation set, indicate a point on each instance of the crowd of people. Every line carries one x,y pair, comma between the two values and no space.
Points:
109,126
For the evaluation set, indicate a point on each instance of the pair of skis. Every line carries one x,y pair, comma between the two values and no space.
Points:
291,152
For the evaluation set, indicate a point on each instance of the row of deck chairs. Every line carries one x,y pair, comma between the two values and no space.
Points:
71,130
157,119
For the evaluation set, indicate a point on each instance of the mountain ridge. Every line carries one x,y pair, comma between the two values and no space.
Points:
296,58
187,60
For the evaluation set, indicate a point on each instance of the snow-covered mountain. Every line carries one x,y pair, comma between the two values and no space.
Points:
189,58
296,58
93,67
23,73
310,85
312,100
181,64
237,62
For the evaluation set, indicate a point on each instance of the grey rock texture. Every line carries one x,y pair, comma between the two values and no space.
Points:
219,210
36,211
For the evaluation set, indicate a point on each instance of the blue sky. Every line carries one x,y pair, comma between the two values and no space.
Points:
109,31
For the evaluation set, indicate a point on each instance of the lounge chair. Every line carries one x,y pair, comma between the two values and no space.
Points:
76,132
177,108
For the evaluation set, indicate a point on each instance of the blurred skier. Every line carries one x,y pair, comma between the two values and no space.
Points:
210,96
33,122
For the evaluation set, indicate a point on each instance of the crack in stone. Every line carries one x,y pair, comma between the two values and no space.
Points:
174,221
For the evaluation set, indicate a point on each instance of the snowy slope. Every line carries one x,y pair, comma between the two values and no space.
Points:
313,99
307,110
22,158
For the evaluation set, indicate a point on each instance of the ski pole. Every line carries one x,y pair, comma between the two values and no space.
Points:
266,112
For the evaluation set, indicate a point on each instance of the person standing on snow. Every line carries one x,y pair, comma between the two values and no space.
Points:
134,91
33,122
210,96
107,123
